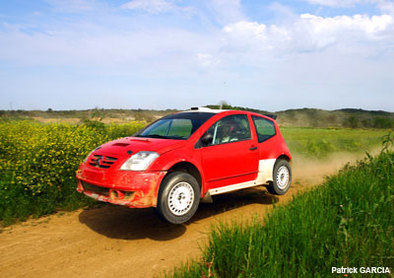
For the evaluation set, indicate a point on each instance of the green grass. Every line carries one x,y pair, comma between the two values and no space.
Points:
320,142
345,222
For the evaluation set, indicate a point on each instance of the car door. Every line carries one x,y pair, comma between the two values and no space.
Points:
266,136
268,143
232,155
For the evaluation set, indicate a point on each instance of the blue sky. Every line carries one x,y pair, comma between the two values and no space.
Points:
159,54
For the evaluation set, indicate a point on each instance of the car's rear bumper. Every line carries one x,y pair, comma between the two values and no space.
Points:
128,188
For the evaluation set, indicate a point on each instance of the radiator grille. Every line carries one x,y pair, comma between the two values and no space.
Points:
102,161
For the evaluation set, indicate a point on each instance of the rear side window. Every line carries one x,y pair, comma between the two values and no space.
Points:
232,128
265,129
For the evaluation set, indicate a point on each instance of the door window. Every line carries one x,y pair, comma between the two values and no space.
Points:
232,128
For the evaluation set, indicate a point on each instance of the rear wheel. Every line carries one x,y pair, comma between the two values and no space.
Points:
282,178
179,197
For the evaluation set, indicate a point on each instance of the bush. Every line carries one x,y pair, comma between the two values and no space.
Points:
38,164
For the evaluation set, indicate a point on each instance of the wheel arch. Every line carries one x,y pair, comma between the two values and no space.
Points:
281,157
267,167
284,157
188,167
187,170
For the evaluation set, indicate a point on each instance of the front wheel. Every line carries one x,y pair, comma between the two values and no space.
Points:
282,178
179,197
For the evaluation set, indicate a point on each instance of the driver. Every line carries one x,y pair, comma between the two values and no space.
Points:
226,131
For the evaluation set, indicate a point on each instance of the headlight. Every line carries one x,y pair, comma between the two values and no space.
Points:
140,161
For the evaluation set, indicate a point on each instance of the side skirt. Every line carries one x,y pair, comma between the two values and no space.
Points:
232,187
264,176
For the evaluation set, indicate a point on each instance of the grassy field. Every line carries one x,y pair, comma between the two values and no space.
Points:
38,160
320,142
345,222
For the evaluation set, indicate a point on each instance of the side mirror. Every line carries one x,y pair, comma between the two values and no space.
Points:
207,139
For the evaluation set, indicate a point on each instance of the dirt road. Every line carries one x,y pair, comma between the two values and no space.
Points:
114,241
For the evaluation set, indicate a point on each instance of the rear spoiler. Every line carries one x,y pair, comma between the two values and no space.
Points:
272,116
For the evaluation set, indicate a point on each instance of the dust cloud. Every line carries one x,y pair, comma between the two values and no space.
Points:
312,171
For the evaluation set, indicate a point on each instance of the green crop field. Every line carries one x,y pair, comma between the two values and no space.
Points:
38,161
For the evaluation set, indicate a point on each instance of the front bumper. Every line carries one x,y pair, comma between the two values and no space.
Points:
135,189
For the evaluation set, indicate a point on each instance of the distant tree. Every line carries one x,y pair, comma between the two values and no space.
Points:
367,123
49,110
352,122
93,124
224,105
141,115
96,113
380,122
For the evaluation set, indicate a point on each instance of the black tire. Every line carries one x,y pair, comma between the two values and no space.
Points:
282,178
179,197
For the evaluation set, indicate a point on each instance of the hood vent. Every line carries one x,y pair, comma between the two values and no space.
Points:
120,144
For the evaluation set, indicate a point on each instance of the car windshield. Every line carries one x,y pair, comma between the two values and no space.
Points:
177,126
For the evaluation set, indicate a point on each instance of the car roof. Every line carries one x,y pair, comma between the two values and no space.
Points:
217,111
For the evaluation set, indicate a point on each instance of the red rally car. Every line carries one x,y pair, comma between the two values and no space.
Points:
182,158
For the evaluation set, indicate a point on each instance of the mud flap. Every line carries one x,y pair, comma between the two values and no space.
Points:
207,198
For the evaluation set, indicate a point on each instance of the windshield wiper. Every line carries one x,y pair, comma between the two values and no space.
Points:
153,136
162,136
177,137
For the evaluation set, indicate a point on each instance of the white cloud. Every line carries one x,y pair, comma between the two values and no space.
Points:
340,3
387,7
227,11
309,33
84,46
371,27
384,5
242,42
73,6
246,30
306,60
207,60
150,6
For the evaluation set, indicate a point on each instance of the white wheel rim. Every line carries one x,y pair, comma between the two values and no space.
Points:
180,199
283,177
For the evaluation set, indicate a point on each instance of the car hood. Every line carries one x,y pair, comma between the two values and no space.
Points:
131,145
